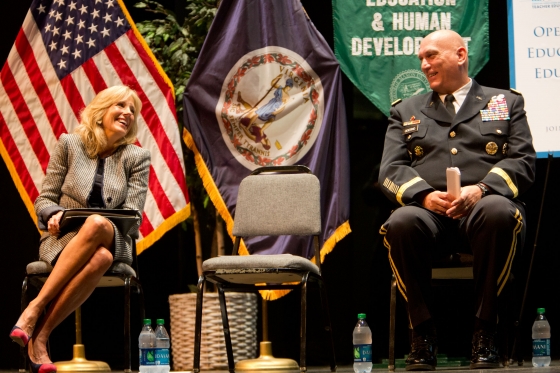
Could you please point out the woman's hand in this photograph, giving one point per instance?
(54, 223)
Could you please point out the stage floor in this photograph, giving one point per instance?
(527, 368)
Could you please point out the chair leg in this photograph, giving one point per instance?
(127, 354)
(327, 321)
(132, 283)
(140, 293)
(303, 323)
(513, 322)
(24, 303)
(517, 331)
(392, 311)
(504, 329)
(227, 335)
(198, 324)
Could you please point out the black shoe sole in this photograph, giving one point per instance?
(484, 365)
(420, 367)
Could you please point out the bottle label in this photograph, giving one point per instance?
(148, 356)
(541, 347)
(362, 353)
(162, 356)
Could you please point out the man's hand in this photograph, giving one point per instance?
(470, 195)
(437, 202)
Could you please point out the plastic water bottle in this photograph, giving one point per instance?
(147, 347)
(541, 340)
(162, 347)
(362, 345)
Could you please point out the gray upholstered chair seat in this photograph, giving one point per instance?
(260, 261)
(255, 269)
(40, 267)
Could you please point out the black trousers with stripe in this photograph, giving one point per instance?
(493, 231)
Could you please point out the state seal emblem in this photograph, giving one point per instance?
(271, 108)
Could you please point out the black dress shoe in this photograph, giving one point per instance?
(484, 351)
(422, 354)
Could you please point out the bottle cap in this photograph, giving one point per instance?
(540, 311)
(160, 322)
(361, 316)
(147, 322)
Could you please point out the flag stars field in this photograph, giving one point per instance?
(77, 21)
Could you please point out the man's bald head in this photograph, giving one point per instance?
(444, 61)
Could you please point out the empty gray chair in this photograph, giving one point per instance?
(272, 201)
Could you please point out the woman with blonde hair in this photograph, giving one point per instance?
(98, 167)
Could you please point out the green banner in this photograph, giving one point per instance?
(377, 42)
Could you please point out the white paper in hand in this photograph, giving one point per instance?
(453, 182)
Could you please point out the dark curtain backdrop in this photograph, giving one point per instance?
(357, 272)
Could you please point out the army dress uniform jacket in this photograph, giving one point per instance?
(422, 140)
(68, 184)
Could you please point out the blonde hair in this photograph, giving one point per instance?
(91, 129)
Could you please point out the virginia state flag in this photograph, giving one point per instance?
(265, 91)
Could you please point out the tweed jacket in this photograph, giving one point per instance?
(423, 139)
(69, 181)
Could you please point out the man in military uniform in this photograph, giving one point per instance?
(483, 132)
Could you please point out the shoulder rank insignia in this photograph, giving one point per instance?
(396, 102)
(515, 91)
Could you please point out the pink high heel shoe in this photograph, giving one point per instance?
(42, 368)
(19, 336)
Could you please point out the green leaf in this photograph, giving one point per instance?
(176, 44)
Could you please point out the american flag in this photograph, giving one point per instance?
(65, 53)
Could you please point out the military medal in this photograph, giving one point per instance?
(412, 121)
(491, 148)
(497, 109)
(411, 125)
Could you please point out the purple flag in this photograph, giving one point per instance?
(266, 90)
